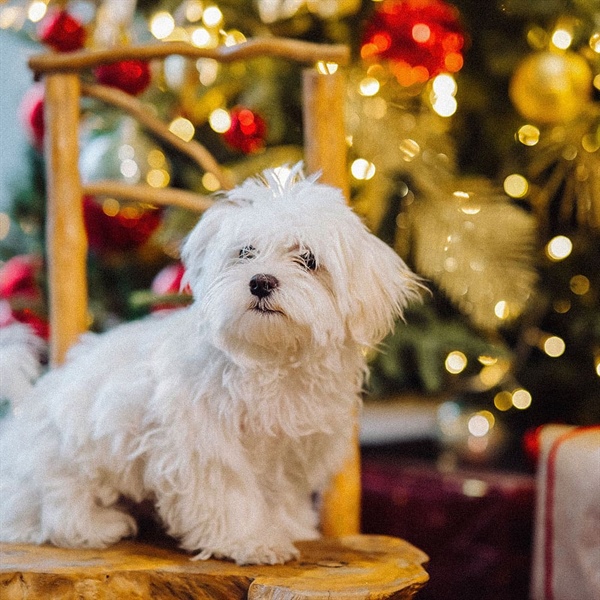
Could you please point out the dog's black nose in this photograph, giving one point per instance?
(262, 285)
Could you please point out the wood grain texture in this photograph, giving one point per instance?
(290, 49)
(349, 568)
(66, 239)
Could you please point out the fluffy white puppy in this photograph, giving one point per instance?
(228, 414)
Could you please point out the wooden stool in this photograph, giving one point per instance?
(348, 568)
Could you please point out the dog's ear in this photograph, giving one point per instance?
(379, 288)
(198, 244)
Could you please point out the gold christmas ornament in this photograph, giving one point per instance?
(551, 87)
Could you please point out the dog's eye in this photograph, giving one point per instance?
(247, 252)
(308, 261)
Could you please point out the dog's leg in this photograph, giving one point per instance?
(74, 515)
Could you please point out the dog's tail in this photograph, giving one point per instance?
(20, 364)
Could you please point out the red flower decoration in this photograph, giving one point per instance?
(61, 31)
(420, 38)
(167, 282)
(18, 277)
(247, 132)
(31, 115)
(131, 76)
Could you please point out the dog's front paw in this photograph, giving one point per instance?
(254, 554)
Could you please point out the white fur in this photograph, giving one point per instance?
(229, 418)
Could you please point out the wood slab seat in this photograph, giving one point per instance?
(347, 568)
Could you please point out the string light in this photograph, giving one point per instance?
(528, 135)
(37, 11)
(369, 86)
(516, 186)
(362, 169)
(559, 247)
(210, 182)
(553, 346)
(194, 10)
(212, 16)
(521, 399)
(562, 39)
(327, 68)
(162, 25)
(182, 128)
(579, 285)
(219, 120)
(503, 401)
(456, 362)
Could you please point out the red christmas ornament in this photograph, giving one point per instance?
(247, 132)
(127, 229)
(131, 76)
(531, 444)
(61, 31)
(420, 38)
(31, 115)
(19, 291)
(18, 277)
(167, 282)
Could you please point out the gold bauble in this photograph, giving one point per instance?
(551, 87)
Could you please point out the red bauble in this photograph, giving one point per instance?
(247, 132)
(131, 76)
(18, 277)
(128, 229)
(531, 444)
(61, 31)
(19, 291)
(168, 282)
(420, 38)
(31, 114)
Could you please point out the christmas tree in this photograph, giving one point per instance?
(473, 139)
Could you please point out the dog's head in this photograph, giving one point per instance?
(281, 263)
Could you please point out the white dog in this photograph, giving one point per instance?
(229, 414)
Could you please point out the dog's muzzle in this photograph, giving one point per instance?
(262, 284)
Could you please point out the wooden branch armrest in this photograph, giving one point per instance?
(296, 50)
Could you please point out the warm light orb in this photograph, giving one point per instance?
(327, 68)
(219, 120)
(362, 169)
(579, 285)
(528, 135)
(481, 423)
(445, 106)
(501, 310)
(521, 399)
(562, 39)
(444, 85)
(201, 38)
(162, 25)
(369, 86)
(456, 362)
(554, 346)
(503, 401)
(595, 42)
(421, 33)
(182, 128)
(37, 11)
(212, 16)
(559, 247)
(210, 182)
(516, 186)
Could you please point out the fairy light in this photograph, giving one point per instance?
(554, 346)
(210, 182)
(111, 207)
(208, 70)
(156, 158)
(125, 151)
(421, 33)
(516, 186)
(182, 128)
(129, 168)
(444, 85)
(595, 42)
(369, 86)
(559, 247)
(481, 423)
(580, 285)
(37, 11)
(201, 37)
(219, 120)
(162, 25)
(503, 401)
(443, 90)
(502, 310)
(194, 10)
(528, 135)
(158, 178)
(521, 399)
(456, 362)
(562, 39)
(561, 306)
(327, 68)
(234, 37)
(445, 106)
(362, 169)
(212, 16)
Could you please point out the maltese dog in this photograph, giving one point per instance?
(231, 414)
